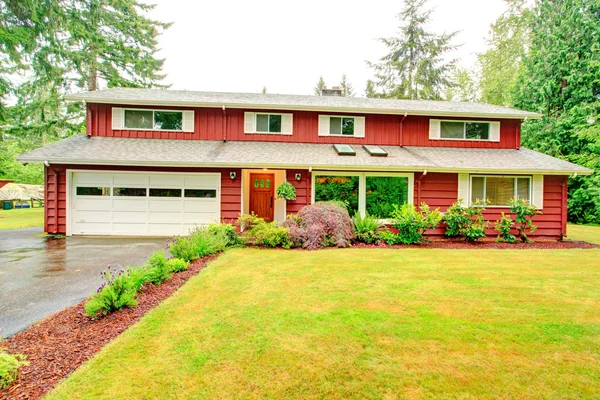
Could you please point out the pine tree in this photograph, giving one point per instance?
(347, 89)
(319, 86)
(370, 91)
(414, 67)
(264, 90)
(559, 79)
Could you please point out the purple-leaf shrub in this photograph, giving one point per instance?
(320, 225)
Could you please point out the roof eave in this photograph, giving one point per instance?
(255, 106)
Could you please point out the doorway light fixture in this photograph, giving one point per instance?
(233, 175)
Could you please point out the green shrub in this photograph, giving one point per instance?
(9, 367)
(524, 212)
(286, 191)
(176, 265)
(388, 236)
(268, 234)
(366, 229)
(156, 268)
(467, 222)
(412, 223)
(185, 248)
(249, 221)
(226, 230)
(200, 243)
(118, 291)
(503, 226)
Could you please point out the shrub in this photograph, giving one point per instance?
(184, 248)
(249, 221)
(199, 243)
(388, 236)
(467, 222)
(366, 229)
(503, 226)
(412, 223)
(176, 265)
(286, 191)
(156, 268)
(270, 235)
(524, 212)
(9, 367)
(226, 230)
(323, 224)
(118, 291)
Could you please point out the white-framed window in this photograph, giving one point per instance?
(364, 192)
(143, 119)
(488, 131)
(341, 126)
(268, 123)
(497, 190)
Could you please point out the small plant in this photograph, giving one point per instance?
(366, 229)
(156, 268)
(286, 191)
(226, 230)
(268, 234)
(9, 367)
(504, 226)
(524, 212)
(118, 291)
(412, 223)
(176, 265)
(467, 222)
(388, 236)
(249, 221)
(184, 248)
(200, 243)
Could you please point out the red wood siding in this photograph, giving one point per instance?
(214, 124)
(303, 190)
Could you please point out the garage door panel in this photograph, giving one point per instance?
(166, 181)
(82, 216)
(134, 180)
(202, 181)
(165, 217)
(130, 204)
(199, 217)
(165, 205)
(189, 227)
(201, 205)
(83, 179)
(94, 228)
(128, 228)
(165, 229)
(94, 203)
(139, 217)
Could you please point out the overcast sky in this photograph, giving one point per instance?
(241, 46)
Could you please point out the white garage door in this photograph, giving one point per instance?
(113, 203)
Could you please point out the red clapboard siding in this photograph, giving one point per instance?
(216, 124)
(303, 190)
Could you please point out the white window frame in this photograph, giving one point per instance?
(123, 127)
(514, 177)
(256, 114)
(362, 186)
(327, 133)
(489, 123)
(435, 130)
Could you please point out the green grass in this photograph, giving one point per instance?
(586, 233)
(364, 323)
(21, 218)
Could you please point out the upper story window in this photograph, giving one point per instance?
(334, 125)
(269, 123)
(152, 120)
(464, 130)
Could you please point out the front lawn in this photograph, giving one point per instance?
(21, 218)
(364, 323)
(586, 233)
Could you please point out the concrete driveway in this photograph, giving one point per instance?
(41, 275)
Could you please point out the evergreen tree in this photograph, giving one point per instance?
(560, 79)
(347, 89)
(264, 90)
(414, 67)
(319, 86)
(370, 91)
(464, 86)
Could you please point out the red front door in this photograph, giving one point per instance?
(262, 195)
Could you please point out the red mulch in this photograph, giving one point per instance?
(59, 344)
(488, 243)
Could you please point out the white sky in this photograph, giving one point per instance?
(241, 46)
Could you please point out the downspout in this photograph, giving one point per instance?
(224, 124)
(401, 141)
(419, 187)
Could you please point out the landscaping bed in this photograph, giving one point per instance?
(487, 243)
(59, 344)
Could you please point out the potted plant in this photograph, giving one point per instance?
(286, 191)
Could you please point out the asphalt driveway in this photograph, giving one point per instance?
(41, 275)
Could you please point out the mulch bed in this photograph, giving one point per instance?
(488, 243)
(59, 344)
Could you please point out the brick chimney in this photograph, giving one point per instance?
(334, 91)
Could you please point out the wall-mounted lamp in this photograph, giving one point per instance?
(232, 175)
(298, 177)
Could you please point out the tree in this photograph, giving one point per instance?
(501, 62)
(415, 66)
(464, 86)
(370, 91)
(347, 89)
(560, 79)
(319, 86)
(264, 90)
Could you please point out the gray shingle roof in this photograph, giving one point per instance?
(136, 96)
(81, 149)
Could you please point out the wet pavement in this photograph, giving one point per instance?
(41, 275)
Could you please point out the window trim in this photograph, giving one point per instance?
(435, 130)
(362, 186)
(489, 139)
(256, 114)
(514, 177)
(153, 111)
(328, 134)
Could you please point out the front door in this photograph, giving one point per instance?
(262, 193)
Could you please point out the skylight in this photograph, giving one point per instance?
(375, 151)
(344, 150)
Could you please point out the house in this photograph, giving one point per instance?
(160, 162)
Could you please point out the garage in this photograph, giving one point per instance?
(142, 203)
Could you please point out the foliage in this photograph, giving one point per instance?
(9, 367)
(12, 169)
(559, 79)
(319, 86)
(412, 223)
(286, 191)
(342, 189)
(268, 234)
(176, 265)
(388, 237)
(199, 243)
(366, 229)
(467, 222)
(118, 291)
(249, 221)
(320, 225)
(347, 88)
(504, 226)
(383, 192)
(226, 230)
(524, 212)
(156, 268)
(464, 85)
(416, 65)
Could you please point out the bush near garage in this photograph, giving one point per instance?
(9, 367)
